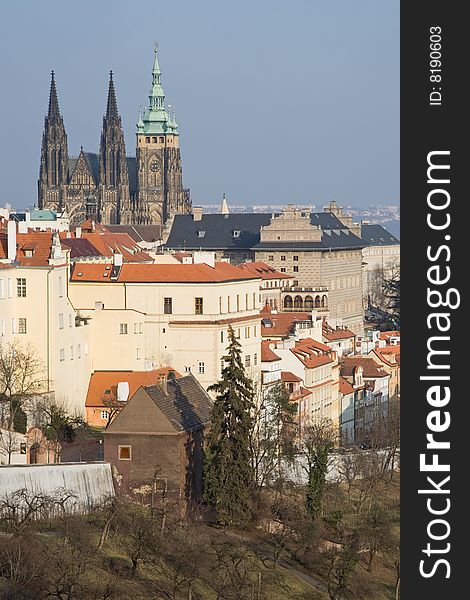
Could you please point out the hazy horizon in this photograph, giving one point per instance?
(275, 103)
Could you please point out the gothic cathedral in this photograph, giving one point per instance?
(111, 187)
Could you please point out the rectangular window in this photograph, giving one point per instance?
(221, 337)
(295, 258)
(296, 268)
(147, 140)
(255, 358)
(141, 328)
(200, 368)
(198, 306)
(283, 269)
(71, 352)
(21, 325)
(238, 303)
(137, 353)
(62, 355)
(228, 304)
(122, 328)
(222, 364)
(125, 452)
(104, 415)
(79, 351)
(271, 257)
(220, 305)
(246, 301)
(283, 258)
(61, 286)
(168, 306)
(21, 287)
(70, 321)
(247, 360)
(2, 289)
(187, 369)
(154, 140)
(61, 320)
(10, 287)
(254, 330)
(247, 332)
(254, 299)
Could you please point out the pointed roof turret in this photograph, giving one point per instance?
(111, 107)
(155, 118)
(53, 111)
(224, 209)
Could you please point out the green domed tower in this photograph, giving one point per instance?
(159, 170)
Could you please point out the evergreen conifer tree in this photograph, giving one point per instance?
(228, 471)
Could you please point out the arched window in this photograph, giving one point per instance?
(324, 301)
(317, 302)
(308, 302)
(288, 302)
(298, 302)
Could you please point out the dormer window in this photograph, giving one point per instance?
(236, 233)
(201, 233)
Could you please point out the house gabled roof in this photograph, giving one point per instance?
(371, 369)
(103, 384)
(219, 233)
(267, 354)
(160, 273)
(340, 333)
(186, 404)
(264, 270)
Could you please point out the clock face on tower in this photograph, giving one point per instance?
(154, 166)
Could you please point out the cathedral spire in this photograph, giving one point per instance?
(157, 95)
(111, 108)
(53, 111)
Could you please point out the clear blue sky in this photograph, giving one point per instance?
(276, 101)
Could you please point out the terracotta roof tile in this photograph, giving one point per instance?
(264, 270)
(289, 377)
(371, 369)
(281, 324)
(160, 273)
(345, 387)
(103, 384)
(340, 333)
(267, 354)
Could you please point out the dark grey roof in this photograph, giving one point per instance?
(80, 247)
(376, 235)
(186, 404)
(17, 217)
(93, 162)
(132, 171)
(139, 233)
(218, 233)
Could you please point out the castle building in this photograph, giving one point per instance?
(110, 187)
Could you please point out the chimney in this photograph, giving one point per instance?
(11, 237)
(162, 382)
(117, 258)
(78, 232)
(123, 391)
(197, 213)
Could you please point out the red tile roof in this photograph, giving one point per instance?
(264, 270)
(389, 355)
(267, 354)
(160, 273)
(283, 323)
(103, 384)
(289, 377)
(37, 242)
(386, 335)
(340, 333)
(345, 387)
(371, 369)
(312, 353)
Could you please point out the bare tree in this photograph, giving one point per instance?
(21, 378)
